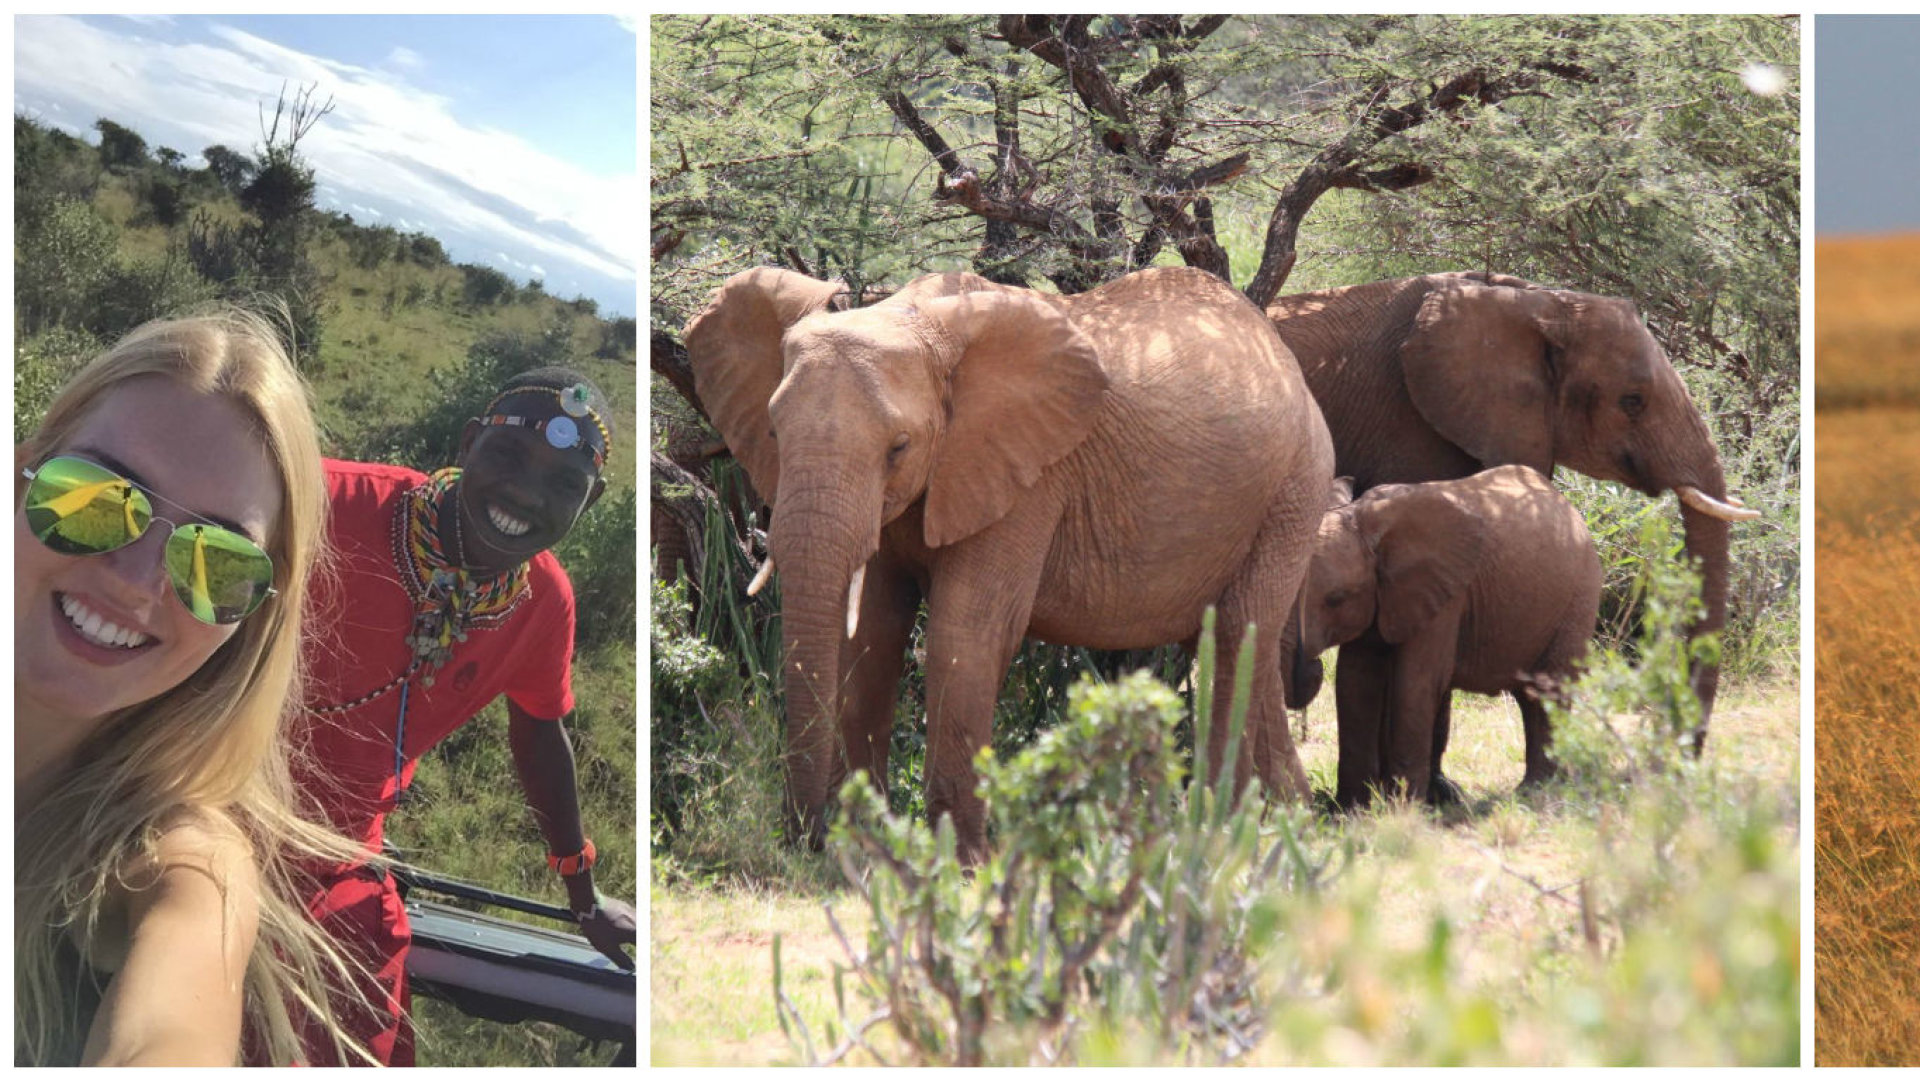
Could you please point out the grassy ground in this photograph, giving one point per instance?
(1867, 618)
(1502, 874)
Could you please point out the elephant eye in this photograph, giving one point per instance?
(898, 448)
(1632, 404)
(1335, 599)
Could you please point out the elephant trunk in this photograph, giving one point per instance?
(821, 543)
(1708, 538)
(1304, 671)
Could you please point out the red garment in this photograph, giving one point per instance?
(362, 910)
(359, 619)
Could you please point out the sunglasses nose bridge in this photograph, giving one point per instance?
(144, 561)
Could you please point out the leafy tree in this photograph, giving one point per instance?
(483, 286)
(425, 250)
(233, 169)
(121, 148)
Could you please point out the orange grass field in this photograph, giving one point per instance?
(1867, 653)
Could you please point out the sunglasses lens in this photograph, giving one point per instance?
(221, 576)
(78, 508)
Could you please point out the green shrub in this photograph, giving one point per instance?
(41, 366)
(1117, 909)
(62, 253)
(599, 557)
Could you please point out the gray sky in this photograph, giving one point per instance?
(1866, 123)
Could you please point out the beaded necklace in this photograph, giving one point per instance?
(447, 600)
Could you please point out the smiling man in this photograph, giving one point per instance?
(442, 597)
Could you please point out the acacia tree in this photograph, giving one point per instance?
(1616, 154)
(1650, 157)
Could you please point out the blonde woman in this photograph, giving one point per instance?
(168, 514)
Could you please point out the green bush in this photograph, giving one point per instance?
(1118, 907)
(63, 251)
(1683, 947)
(41, 366)
(599, 556)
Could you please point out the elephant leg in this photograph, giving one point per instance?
(1533, 720)
(977, 613)
(1262, 595)
(1440, 790)
(1422, 678)
(1361, 694)
(871, 664)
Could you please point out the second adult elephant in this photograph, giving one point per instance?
(1089, 470)
(1441, 376)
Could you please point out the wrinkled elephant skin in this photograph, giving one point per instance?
(1438, 377)
(1014, 459)
(1485, 584)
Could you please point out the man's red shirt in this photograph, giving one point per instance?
(360, 618)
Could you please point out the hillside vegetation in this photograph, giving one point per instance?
(400, 346)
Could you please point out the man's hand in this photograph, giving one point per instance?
(610, 925)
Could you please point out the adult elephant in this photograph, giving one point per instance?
(1441, 376)
(1090, 470)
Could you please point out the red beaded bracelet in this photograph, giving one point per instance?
(569, 865)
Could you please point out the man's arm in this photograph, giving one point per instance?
(543, 759)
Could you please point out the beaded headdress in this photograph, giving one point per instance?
(563, 432)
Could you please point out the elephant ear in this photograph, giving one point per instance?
(1479, 364)
(1427, 549)
(734, 346)
(1024, 388)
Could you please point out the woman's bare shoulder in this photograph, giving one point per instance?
(199, 841)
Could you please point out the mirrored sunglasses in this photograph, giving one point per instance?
(76, 507)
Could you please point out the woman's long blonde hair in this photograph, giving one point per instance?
(215, 744)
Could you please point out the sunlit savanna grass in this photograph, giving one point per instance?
(1867, 736)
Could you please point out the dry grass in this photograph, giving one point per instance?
(1867, 741)
(1867, 324)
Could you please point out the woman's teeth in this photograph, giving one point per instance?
(98, 630)
(507, 523)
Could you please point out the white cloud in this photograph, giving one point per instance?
(386, 141)
(537, 270)
(405, 58)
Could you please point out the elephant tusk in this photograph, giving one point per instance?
(853, 600)
(760, 579)
(1713, 507)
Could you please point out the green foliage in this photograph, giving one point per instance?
(483, 286)
(42, 364)
(1117, 909)
(121, 149)
(231, 168)
(600, 558)
(61, 257)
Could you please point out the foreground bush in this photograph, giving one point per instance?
(1116, 908)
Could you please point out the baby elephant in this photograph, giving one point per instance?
(1477, 584)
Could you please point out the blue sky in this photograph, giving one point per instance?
(513, 139)
(1866, 146)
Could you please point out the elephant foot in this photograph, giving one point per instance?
(1539, 777)
(1347, 801)
(1443, 792)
